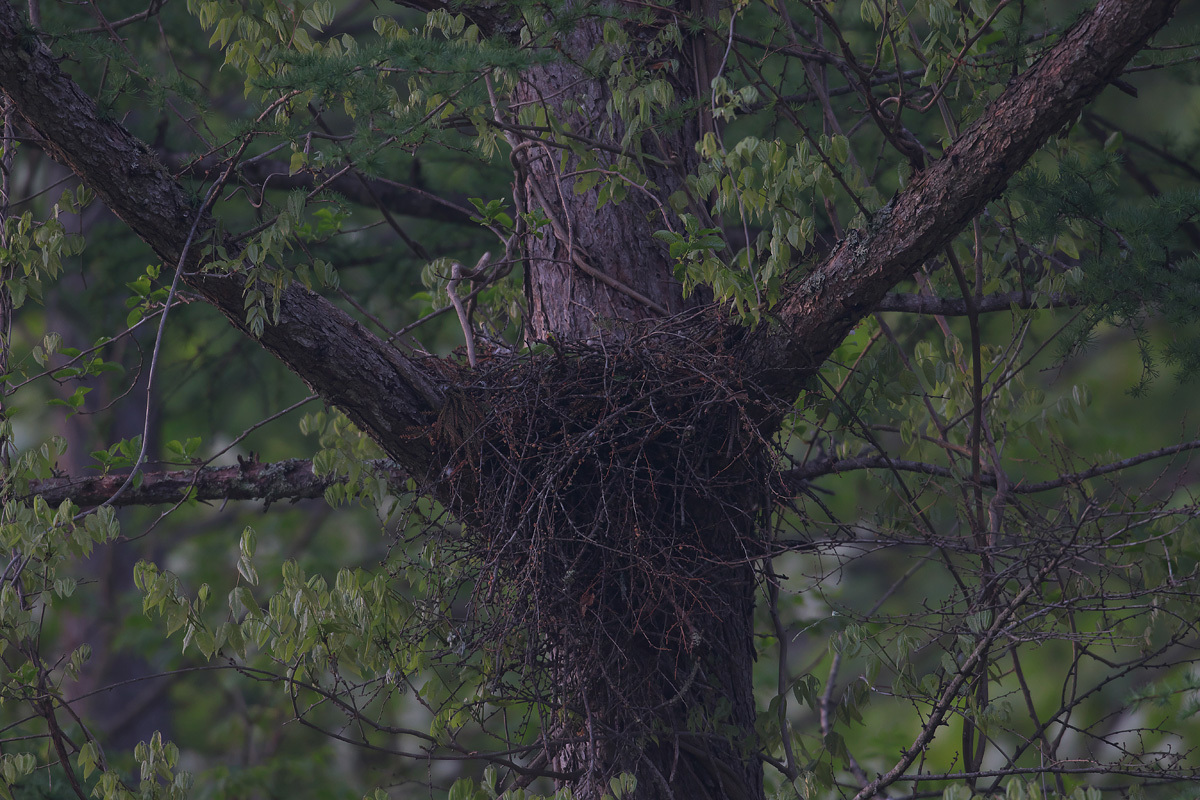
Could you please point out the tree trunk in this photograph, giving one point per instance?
(665, 694)
(690, 731)
(592, 266)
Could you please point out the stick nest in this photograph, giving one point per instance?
(611, 498)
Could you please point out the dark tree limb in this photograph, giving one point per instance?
(388, 395)
(270, 482)
(396, 197)
(946, 195)
(293, 479)
(820, 467)
(1150, 147)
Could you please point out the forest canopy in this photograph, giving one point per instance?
(665, 400)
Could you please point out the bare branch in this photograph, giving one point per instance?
(1150, 147)
(291, 479)
(817, 468)
(798, 476)
(396, 197)
(152, 10)
(1105, 469)
(957, 307)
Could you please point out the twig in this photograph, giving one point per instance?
(464, 319)
(832, 466)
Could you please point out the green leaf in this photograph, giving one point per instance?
(462, 789)
(839, 147)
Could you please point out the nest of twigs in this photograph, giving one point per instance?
(612, 497)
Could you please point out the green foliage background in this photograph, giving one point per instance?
(217, 626)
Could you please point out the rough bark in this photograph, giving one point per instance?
(598, 265)
(291, 480)
(942, 199)
(388, 395)
(593, 269)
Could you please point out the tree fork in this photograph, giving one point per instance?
(395, 399)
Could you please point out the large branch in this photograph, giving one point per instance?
(269, 482)
(282, 480)
(943, 198)
(293, 479)
(388, 395)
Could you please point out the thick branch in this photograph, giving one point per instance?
(291, 479)
(389, 396)
(945, 196)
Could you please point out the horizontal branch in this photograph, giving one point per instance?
(957, 307)
(408, 201)
(291, 479)
(1106, 469)
(829, 465)
(833, 466)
